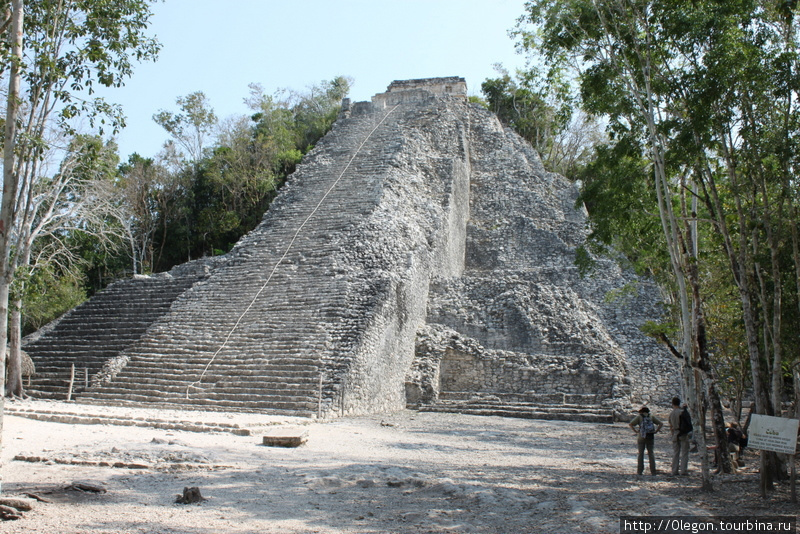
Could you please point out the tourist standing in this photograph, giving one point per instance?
(736, 443)
(680, 440)
(648, 426)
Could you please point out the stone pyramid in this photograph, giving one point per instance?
(420, 256)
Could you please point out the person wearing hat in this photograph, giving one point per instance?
(648, 426)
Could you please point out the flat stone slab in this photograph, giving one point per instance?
(285, 437)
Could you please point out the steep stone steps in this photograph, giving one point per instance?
(255, 382)
(265, 407)
(98, 330)
(563, 407)
(178, 393)
(273, 356)
(240, 369)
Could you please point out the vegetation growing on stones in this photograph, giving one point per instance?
(542, 110)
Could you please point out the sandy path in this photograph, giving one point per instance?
(404, 472)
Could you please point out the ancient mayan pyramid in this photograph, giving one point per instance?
(420, 256)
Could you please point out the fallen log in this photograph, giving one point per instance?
(9, 514)
(20, 504)
(36, 497)
(88, 487)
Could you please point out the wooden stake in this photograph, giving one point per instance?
(71, 382)
(319, 400)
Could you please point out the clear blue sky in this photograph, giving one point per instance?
(221, 47)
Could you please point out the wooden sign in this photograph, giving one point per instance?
(770, 433)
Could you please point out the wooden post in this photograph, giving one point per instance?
(71, 382)
(792, 483)
(319, 399)
(85, 378)
(341, 396)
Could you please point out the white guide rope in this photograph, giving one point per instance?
(193, 385)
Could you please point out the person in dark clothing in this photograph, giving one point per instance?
(736, 443)
(680, 440)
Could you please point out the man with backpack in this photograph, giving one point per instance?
(648, 426)
(680, 425)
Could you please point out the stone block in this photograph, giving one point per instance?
(285, 437)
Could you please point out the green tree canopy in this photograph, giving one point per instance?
(542, 109)
(224, 193)
(704, 94)
(54, 54)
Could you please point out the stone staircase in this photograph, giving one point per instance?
(562, 407)
(99, 329)
(257, 335)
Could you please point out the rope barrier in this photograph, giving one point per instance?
(193, 385)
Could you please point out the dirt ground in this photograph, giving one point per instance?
(405, 472)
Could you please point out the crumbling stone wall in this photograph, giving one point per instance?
(520, 319)
(400, 91)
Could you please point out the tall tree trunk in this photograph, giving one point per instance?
(14, 386)
(773, 222)
(704, 360)
(699, 353)
(714, 402)
(796, 259)
(741, 262)
(9, 185)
